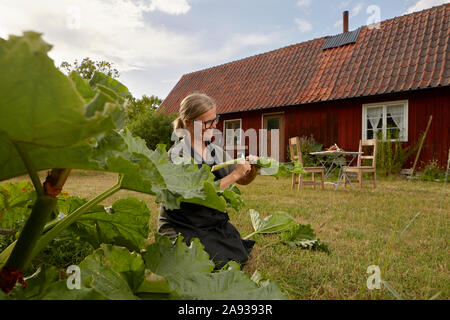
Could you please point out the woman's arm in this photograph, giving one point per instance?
(229, 179)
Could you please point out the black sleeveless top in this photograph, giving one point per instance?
(221, 239)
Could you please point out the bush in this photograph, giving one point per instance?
(432, 172)
(61, 253)
(154, 127)
(307, 145)
(391, 156)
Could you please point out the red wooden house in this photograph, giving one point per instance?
(341, 89)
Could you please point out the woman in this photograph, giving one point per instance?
(221, 239)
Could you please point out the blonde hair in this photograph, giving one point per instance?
(193, 106)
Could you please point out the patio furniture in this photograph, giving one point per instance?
(296, 155)
(359, 169)
(336, 157)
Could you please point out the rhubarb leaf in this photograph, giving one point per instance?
(125, 223)
(275, 223)
(43, 112)
(303, 236)
(113, 271)
(15, 203)
(40, 106)
(163, 257)
(188, 272)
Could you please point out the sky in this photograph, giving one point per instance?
(153, 43)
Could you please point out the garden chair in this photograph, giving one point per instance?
(359, 169)
(296, 155)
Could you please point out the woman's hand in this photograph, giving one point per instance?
(243, 174)
(241, 170)
(250, 174)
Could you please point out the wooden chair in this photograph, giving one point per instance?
(359, 169)
(296, 155)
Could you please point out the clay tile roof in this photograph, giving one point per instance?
(407, 53)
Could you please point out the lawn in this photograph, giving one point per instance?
(401, 226)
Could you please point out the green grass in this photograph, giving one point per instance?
(401, 226)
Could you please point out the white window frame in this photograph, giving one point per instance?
(384, 118)
(225, 130)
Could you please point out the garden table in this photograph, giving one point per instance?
(336, 163)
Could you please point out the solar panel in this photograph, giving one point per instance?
(341, 39)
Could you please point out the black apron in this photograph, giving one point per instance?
(221, 239)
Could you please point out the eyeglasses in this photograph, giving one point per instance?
(209, 123)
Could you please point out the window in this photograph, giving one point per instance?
(273, 123)
(233, 132)
(387, 119)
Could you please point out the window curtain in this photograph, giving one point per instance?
(398, 116)
(374, 115)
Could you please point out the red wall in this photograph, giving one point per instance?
(340, 121)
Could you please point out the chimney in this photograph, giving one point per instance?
(345, 21)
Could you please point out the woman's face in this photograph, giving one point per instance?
(207, 122)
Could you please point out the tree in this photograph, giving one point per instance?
(138, 107)
(154, 127)
(87, 67)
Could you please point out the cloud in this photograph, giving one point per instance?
(344, 4)
(355, 11)
(119, 31)
(116, 31)
(425, 4)
(303, 3)
(170, 6)
(250, 39)
(110, 30)
(303, 25)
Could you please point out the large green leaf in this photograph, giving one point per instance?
(232, 195)
(45, 285)
(189, 275)
(303, 236)
(59, 291)
(102, 81)
(15, 199)
(40, 106)
(37, 284)
(224, 285)
(43, 113)
(180, 182)
(124, 224)
(144, 170)
(275, 223)
(113, 271)
(163, 258)
(76, 156)
(63, 122)
(110, 272)
(151, 172)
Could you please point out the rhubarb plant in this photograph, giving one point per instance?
(54, 122)
(293, 234)
(164, 270)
